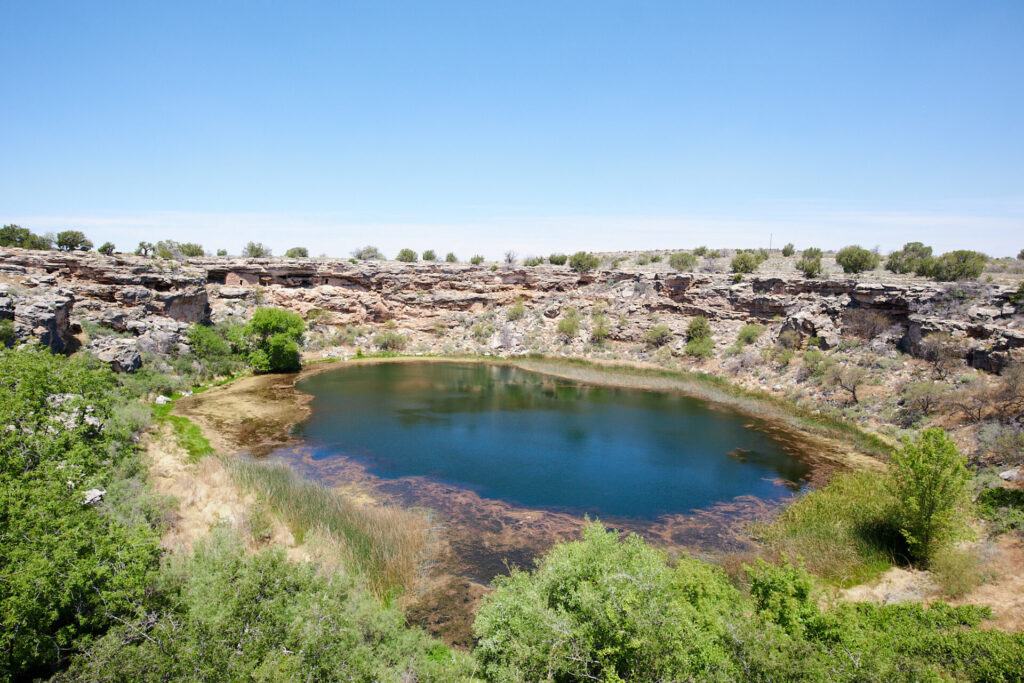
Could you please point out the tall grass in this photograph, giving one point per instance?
(386, 545)
(845, 532)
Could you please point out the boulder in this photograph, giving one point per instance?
(46, 317)
(122, 355)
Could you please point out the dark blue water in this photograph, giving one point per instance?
(543, 442)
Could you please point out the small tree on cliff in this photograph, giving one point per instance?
(73, 240)
(273, 337)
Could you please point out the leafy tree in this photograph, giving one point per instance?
(700, 251)
(557, 259)
(23, 238)
(658, 335)
(953, 266)
(745, 262)
(582, 262)
(222, 252)
(908, 259)
(273, 337)
(699, 340)
(477, 260)
(407, 256)
(931, 481)
(855, 259)
(682, 260)
(191, 249)
(788, 250)
(256, 250)
(368, 253)
(810, 262)
(451, 258)
(107, 248)
(144, 249)
(73, 240)
(429, 255)
(297, 252)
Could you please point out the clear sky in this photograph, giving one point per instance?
(535, 126)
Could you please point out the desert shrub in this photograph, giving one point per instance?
(846, 376)
(531, 261)
(942, 352)
(297, 252)
(748, 334)
(389, 340)
(483, 331)
(1002, 443)
(256, 250)
(921, 399)
(214, 352)
(7, 333)
(789, 339)
(956, 571)
(517, 311)
(700, 251)
(908, 258)
(16, 236)
(368, 253)
(855, 259)
(557, 259)
(658, 335)
(107, 248)
(191, 249)
(600, 329)
(681, 260)
(73, 240)
(814, 364)
(429, 255)
(643, 259)
(762, 255)
(407, 256)
(745, 262)
(272, 338)
(477, 260)
(1003, 507)
(788, 250)
(510, 257)
(953, 266)
(569, 325)
(865, 323)
(809, 262)
(222, 252)
(1017, 298)
(450, 257)
(582, 261)
(699, 340)
(930, 479)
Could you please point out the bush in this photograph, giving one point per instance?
(517, 311)
(73, 240)
(681, 260)
(745, 262)
(953, 266)
(600, 328)
(273, 337)
(367, 253)
(406, 256)
(7, 334)
(23, 238)
(532, 261)
(930, 479)
(429, 255)
(450, 257)
(297, 252)
(557, 259)
(865, 323)
(788, 250)
(658, 335)
(1004, 507)
(908, 259)
(107, 248)
(1017, 298)
(855, 259)
(483, 331)
(389, 340)
(700, 251)
(748, 334)
(222, 252)
(569, 325)
(810, 263)
(476, 260)
(582, 261)
(256, 250)
(191, 250)
(699, 341)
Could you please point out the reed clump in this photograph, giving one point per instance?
(385, 545)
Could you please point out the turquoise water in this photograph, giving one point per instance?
(538, 441)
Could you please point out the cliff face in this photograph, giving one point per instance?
(445, 307)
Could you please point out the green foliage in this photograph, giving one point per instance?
(223, 614)
(682, 260)
(389, 340)
(701, 348)
(407, 256)
(107, 248)
(744, 262)
(367, 253)
(272, 338)
(1017, 298)
(532, 261)
(451, 258)
(1003, 506)
(219, 351)
(583, 261)
(483, 331)
(67, 570)
(700, 251)
(7, 334)
(476, 260)
(810, 262)
(748, 334)
(1020, 255)
(788, 250)
(600, 328)
(557, 259)
(569, 325)
(73, 240)
(957, 265)
(429, 255)
(699, 341)
(16, 236)
(855, 259)
(189, 437)
(256, 250)
(930, 479)
(517, 311)
(144, 249)
(297, 252)
(658, 335)
(222, 252)
(908, 259)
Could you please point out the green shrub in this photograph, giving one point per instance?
(581, 262)
(222, 252)
(681, 260)
(483, 331)
(1017, 298)
(406, 256)
(953, 266)
(1002, 506)
(23, 238)
(557, 259)
(73, 240)
(107, 248)
(516, 311)
(700, 251)
(600, 328)
(569, 325)
(451, 258)
(810, 263)
(7, 334)
(748, 334)
(956, 571)
(389, 340)
(703, 348)
(658, 335)
(273, 336)
(908, 259)
(256, 250)
(855, 259)
(297, 252)
(930, 479)
(744, 262)
(368, 253)
(429, 255)
(788, 250)
(477, 260)
(532, 261)
(699, 328)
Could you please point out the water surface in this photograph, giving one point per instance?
(538, 441)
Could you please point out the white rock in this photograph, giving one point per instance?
(94, 496)
(1011, 475)
(162, 400)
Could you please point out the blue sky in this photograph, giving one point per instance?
(534, 126)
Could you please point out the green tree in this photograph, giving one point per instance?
(476, 260)
(73, 240)
(810, 262)
(855, 259)
(222, 252)
(107, 248)
(700, 251)
(1020, 255)
(273, 337)
(682, 260)
(451, 258)
(952, 266)
(144, 249)
(699, 339)
(658, 335)
(788, 250)
(16, 236)
(407, 256)
(582, 262)
(297, 252)
(368, 253)
(429, 255)
(191, 249)
(557, 259)
(745, 262)
(931, 481)
(256, 250)
(908, 259)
